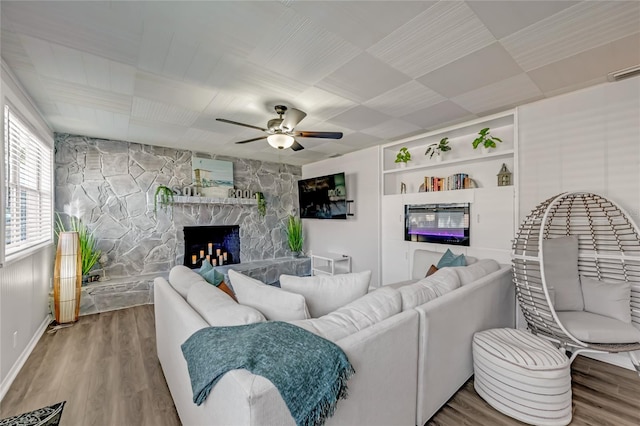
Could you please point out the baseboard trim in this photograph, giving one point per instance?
(618, 359)
(11, 376)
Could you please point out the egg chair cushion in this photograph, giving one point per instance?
(610, 299)
(594, 328)
(560, 257)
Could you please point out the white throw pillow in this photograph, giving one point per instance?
(325, 293)
(479, 269)
(561, 272)
(218, 308)
(274, 303)
(182, 278)
(435, 285)
(612, 300)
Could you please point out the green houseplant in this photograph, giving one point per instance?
(438, 148)
(294, 235)
(262, 203)
(164, 197)
(485, 139)
(403, 156)
(89, 254)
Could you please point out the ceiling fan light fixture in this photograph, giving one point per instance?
(280, 141)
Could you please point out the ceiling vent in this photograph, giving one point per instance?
(625, 73)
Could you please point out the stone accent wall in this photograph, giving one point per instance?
(110, 185)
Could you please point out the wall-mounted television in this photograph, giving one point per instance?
(323, 197)
(437, 223)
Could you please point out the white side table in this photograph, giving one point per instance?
(330, 263)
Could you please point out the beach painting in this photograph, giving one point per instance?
(212, 178)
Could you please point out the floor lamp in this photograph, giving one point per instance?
(67, 278)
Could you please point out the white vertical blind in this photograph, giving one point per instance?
(28, 186)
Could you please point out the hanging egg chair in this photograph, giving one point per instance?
(603, 313)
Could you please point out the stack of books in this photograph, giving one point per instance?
(457, 181)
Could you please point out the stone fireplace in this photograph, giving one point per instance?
(218, 244)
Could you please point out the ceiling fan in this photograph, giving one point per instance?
(280, 131)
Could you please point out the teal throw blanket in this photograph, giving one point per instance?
(310, 372)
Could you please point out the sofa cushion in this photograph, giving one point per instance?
(370, 309)
(274, 303)
(217, 308)
(326, 293)
(450, 259)
(182, 278)
(432, 270)
(418, 293)
(474, 272)
(560, 259)
(596, 328)
(610, 299)
(423, 259)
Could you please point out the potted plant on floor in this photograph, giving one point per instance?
(89, 254)
(485, 140)
(294, 235)
(438, 149)
(403, 157)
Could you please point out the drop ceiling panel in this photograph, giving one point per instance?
(170, 91)
(204, 138)
(392, 129)
(147, 110)
(571, 31)
(163, 134)
(405, 99)
(444, 112)
(478, 69)
(358, 140)
(61, 91)
(321, 105)
(359, 118)
(363, 78)
(436, 37)
(512, 91)
(203, 64)
(179, 57)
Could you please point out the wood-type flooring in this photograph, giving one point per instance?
(106, 368)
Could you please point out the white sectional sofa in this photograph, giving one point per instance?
(409, 361)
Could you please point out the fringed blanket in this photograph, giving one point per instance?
(310, 372)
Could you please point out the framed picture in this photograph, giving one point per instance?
(213, 178)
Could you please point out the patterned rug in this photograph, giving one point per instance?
(47, 416)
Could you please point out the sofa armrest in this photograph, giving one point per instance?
(447, 325)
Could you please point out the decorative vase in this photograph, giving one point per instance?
(486, 150)
(402, 164)
(67, 278)
(439, 157)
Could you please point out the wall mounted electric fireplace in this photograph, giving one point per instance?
(218, 244)
(437, 223)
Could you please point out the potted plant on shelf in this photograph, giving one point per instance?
(294, 235)
(486, 140)
(438, 149)
(403, 156)
(89, 254)
(164, 197)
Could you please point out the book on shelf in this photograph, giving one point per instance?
(453, 182)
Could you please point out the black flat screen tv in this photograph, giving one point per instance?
(323, 197)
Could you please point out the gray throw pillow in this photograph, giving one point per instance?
(609, 299)
(560, 257)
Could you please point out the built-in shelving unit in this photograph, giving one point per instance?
(181, 199)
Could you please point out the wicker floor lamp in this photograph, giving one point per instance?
(67, 278)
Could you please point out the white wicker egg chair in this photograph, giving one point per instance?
(608, 250)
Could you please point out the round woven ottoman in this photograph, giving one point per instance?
(522, 376)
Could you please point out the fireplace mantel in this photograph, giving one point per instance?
(181, 199)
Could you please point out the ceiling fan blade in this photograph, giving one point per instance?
(252, 140)
(240, 124)
(296, 146)
(323, 135)
(292, 117)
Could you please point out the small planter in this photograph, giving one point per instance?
(402, 165)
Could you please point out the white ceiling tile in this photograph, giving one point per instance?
(329, 148)
(202, 137)
(504, 94)
(392, 129)
(321, 105)
(181, 53)
(121, 78)
(74, 94)
(506, 17)
(108, 75)
(41, 54)
(405, 99)
(157, 134)
(152, 111)
(444, 112)
(154, 47)
(363, 78)
(571, 31)
(361, 23)
(437, 36)
(70, 64)
(359, 118)
(151, 86)
(202, 65)
(480, 68)
(359, 140)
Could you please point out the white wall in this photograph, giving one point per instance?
(358, 236)
(24, 283)
(586, 140)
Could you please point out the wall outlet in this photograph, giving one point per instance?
(15, 339)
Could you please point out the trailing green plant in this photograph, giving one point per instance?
(164, 197)
(89, 254)
(294, 234)
(262, 203)
(485, 139)
(403, 155)
(437, 148)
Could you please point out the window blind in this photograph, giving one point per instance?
(28, 186)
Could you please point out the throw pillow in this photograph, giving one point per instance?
(432, 270)
(274, 303)
(326, 293)
(560, 259)
(419, 293)
(224, 287)
(450, 259)
(218, 309)
(609, 299)
(476, 271)
(210, 274)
